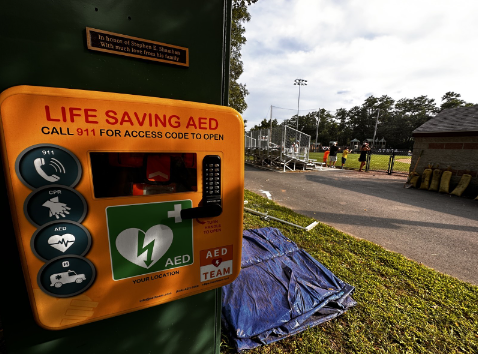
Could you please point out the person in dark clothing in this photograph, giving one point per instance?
(333, 155)
(363, 155)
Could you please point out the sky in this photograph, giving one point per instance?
(348, 50)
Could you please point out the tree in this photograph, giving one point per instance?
(238, 91)
(408, 115)
(379, 110)
(328, 127)
(345, 133)
(396, 120)
(359, 122)
(266, 124)
(453, 100)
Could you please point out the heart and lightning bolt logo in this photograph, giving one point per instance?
(149, 238)
(144, 248)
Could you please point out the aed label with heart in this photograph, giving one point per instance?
(60, 238)
(149, 238)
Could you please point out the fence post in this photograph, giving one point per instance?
(391, 162)
(284, 132)
(369, 157)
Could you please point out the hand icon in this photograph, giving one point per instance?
(63, 312)
(56, 208)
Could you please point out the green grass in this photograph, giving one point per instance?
(403, 306)
(377, 162)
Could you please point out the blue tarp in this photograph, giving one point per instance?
(280, 291)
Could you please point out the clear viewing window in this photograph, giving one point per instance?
(125, 174)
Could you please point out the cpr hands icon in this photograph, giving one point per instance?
(56, 208)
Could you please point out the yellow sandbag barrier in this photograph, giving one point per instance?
(426, 178)
(414, 181)
(460, 188)
(435, 183)
(445, 182)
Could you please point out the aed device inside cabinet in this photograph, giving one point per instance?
(120, 202)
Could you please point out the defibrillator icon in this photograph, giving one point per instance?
(144, 248)
(147, 238)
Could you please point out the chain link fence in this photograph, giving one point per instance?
(382, 160)
(286, 148)
(281, 147)
(389, 160)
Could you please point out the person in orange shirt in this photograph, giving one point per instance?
(326, 155)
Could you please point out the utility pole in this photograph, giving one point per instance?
(270, 134)
(375, 131)
(317, 130)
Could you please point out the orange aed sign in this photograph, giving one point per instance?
(120, 202)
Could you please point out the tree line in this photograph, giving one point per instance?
(396, 120)
(238, 91)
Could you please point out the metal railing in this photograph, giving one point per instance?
(280, 147)
(389, 160)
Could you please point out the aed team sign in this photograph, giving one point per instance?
(98, 183)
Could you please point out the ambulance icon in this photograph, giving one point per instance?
(58, 279)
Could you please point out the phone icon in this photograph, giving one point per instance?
(57, 165)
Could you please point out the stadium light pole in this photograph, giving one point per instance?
(299, 82)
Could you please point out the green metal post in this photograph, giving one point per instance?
(44, 44)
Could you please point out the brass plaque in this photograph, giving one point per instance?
(120, 44)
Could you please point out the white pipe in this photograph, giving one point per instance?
(307, 228)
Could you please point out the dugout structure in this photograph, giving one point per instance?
(281, 147)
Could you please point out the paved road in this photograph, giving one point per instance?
(438, 230)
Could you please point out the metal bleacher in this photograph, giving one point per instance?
(281, 148)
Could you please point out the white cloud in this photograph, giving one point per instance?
(382, 47)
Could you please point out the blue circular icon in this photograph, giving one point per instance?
(54, 203)
(47, 164)
(66, 276)
(60, 238)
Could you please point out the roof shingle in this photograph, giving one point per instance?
(461, 119)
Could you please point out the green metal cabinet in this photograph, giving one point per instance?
(44, 44)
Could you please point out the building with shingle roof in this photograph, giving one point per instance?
(450, 139)
(451, 122)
